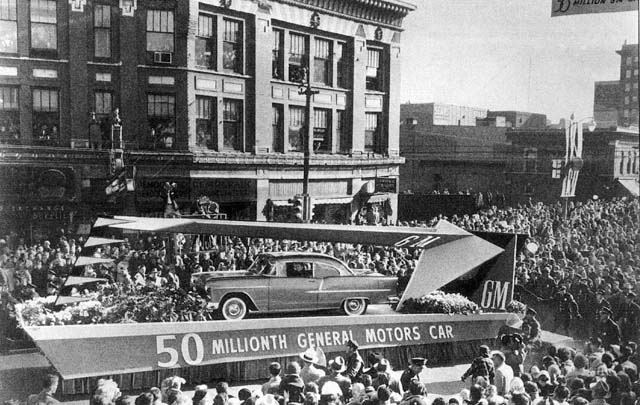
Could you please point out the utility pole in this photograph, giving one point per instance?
(307, 142)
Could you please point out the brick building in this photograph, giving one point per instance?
(611, 160)
(207, 92)
(615, 102)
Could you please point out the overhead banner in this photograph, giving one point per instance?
(572, 7)
(93, 350)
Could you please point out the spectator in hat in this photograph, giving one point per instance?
(503, 372)
(330, 394)
(387, 377)
(545, 385)
(606, 329)
(599, 393)
(292, 386)
(566, 310)
(373, 358)
(272, 386)
(629, 317)
(309, 372)
(416, 395)
(222, 396)
(354, 362)
(531, 327)
(337, 366)
(481, 366)
(412, 372)
(201, 395)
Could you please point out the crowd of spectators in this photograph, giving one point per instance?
(599, 375)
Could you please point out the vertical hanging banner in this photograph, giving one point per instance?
(571, 7)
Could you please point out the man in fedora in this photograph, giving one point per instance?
(309, 372)
(337, 366)
(412, 372)
(355, 364)
(606, 329)
(531, 327)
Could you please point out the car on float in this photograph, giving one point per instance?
(293, 282)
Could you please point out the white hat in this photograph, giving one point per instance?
(309, 355)
(331, 388)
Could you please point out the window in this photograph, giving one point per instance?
(296, 125)
(278, 130)
(373, 69)
(530, 160)
(206, 124)
(626, 113)
(299, 270)
(321, 130)
(9, 115)
(627, 87)
(556, 168)
(372, 132)
(205, 42)
(626, 100)
(628, 74)
(635, 86)
(46, 117)
(628, 60)
(323, 270)
(103, 106)
(43, 25)
(102, 31)
(635, 72)
(277, 59)
(341, 66)
(297, 57)
(344, 143)
(232, 117)
(322, 62)
(160, 31)
(8, 27)
(161, 117)
(232, 46)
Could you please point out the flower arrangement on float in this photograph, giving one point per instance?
(439, 302)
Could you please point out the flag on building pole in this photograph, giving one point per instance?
(571, 7)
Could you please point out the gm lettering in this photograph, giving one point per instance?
(495, 294)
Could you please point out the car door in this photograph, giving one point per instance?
(293, 288)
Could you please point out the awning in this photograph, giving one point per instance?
(95, 241)
(333, 200)
(378, 198)
(86, 260)
(631, 185)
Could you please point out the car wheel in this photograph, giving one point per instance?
(234, 308)
(354, 306)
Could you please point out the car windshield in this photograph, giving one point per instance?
(262, 265)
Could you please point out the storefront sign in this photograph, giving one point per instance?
(35, 212)
(570, 7)
(386, 185)
(90, 350)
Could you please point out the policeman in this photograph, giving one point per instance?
(531, 327)
(567, 309)
(354, 361)
(606, 329)
(412, 372)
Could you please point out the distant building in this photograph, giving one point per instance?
(610, 164)
(449, 157)
(443, 114)
(520, 119)
(629, 85)
(606, 103)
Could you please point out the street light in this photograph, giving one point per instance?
(307, 142)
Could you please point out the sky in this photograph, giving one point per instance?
(510, 55)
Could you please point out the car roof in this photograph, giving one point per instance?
(307, 255)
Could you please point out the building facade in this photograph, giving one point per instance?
(615, 102)
(207, 98)
(611, 160)
(520, 119)
(450, 158)
(629, 84)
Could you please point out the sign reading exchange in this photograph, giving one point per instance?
(92, 350)
(570, 7)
